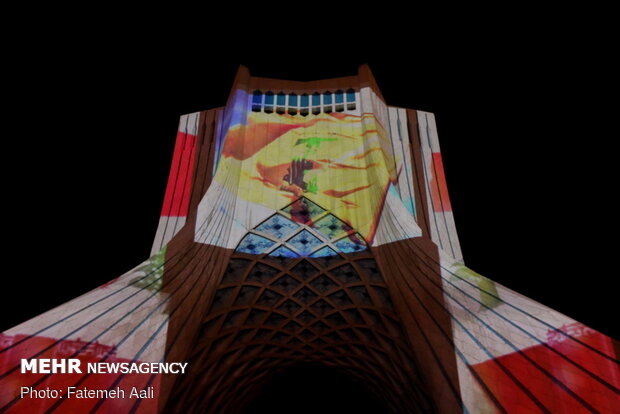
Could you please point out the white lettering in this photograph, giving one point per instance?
(74, 366)
(51, 366)
(24, 391)
(29, 366)
(135, 367)
(183, 365)
(30, 392)
(44, 366)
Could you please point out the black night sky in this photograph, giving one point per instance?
(522, 154)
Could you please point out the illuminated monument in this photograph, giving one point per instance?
(310, 223)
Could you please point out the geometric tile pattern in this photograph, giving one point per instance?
(302, 228)
(269, 314)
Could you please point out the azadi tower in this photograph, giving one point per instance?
(310, 223)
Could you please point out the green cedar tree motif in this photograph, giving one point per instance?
(488, 293)
(154, 271)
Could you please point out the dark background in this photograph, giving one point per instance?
(92, 132)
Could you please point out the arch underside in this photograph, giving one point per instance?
(285, 304)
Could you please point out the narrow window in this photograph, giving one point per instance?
(327, 98)
(257, 101)
(316, 103)
(327, 102)
(339, 100)
(339, 96)
(304, 102)
(292, 99)
(350, 99)
(281, 103)
(269, 102)
(281, 99)
(350, 95)
(316, 99)
(292, 104)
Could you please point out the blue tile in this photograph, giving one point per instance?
(278, 227)
(330, 227)
(304, 242)
(283, 252)
(254, 244)
(351, 244)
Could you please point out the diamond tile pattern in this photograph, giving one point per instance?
(278, 227)
(304, 242)
(346, 274)
(304, 270)
(331, 227)
(261, 273)
(282, 255)
(305, 295)
(303, 211)
(286, 283)
(323, 284)
(351, 244)
(326, 256)
(254, 244)
(268, 298)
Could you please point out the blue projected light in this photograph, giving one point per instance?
(350, 95)
(292, 100)
(339, 97)
(277, 227)
(330, 227)
(327, 98)
(283, 252)
(304, 242)
(257, 97)
(254, 244)
(324, 252)
(351, 244)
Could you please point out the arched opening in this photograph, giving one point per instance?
(292, 104)
(301, 289)
(281, 103)
(350, 99)
(314, 389)
(304, 103)
(269, 102)
(339, 98)
(327, 102)
(257, 101)
(316, 103)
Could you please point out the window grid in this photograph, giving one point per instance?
(303, 104)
